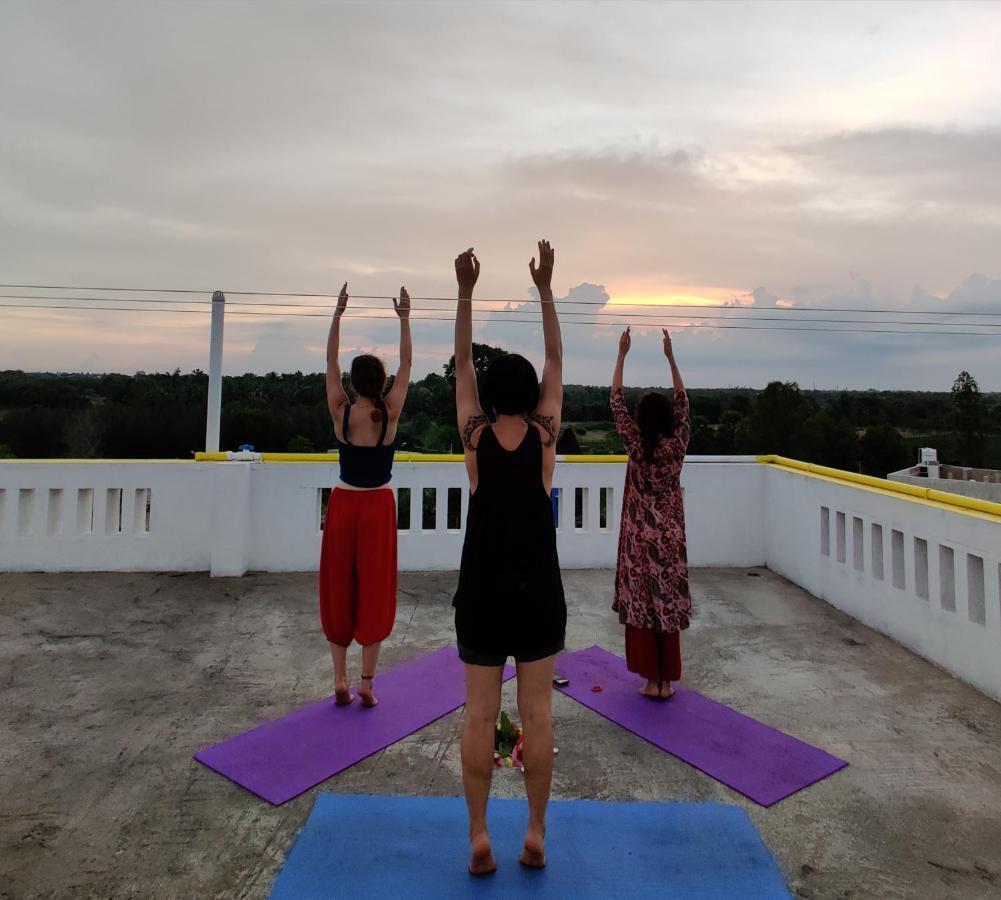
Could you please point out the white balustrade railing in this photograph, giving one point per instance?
(926, 572)
(233, 517)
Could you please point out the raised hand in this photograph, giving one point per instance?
(625, 342)
(336, 398)
(679, 384)
(402, 306)
(543, 275)
(467, 270)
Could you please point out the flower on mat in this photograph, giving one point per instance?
(507, 743)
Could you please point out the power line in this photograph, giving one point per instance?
(604, 312)
(733, 307)
(65, 287)
(523, 321)
(48, 296)
(671, 316)
(654, 303)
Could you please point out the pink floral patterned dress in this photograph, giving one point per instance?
(651, 578)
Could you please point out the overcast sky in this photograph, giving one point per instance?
(776, 155)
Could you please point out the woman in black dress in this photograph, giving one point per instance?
(510, 596)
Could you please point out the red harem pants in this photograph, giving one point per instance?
(358, 566)
(654, 656)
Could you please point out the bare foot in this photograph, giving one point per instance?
(533, 853)
(365, 692)
(650, 690)
(666, 692)
(342, 694)
(481, 860)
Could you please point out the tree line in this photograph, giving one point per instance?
(162, 415)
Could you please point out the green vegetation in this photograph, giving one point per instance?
(163, 416)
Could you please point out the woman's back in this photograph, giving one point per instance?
(364, 465)
(510, 594)
(653, 473)
(514, 471)
(360, 428)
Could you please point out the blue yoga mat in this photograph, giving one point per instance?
(356, 846)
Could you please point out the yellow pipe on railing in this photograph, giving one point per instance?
(429, 457)
(56, 460)
(299, 457)
(911, 491)
(990, 507)
(223, 456)
(785, 461)
(401, 457)
(870, 481)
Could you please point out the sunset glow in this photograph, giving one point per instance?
(851, 163)
(676, 295)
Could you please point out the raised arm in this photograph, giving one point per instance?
(469, 415)
(682, 414)
(679, 385)
(550, 410)
(624, 423)
(625, 342)
(398, 395)
(336, 398)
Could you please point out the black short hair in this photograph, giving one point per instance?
(368, 376)
(655, 420)
(510, 386)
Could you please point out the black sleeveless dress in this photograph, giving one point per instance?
(509, 601)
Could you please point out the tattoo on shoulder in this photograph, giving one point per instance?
(549, 426)
(472, 423)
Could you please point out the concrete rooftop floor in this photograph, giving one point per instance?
(110, 682)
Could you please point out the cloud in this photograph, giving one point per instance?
(581, 293)
(762, 297)
(290, 148)
(977, 293)
(913, 166)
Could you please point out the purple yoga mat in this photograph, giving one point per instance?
(279, 760)
(759, 761)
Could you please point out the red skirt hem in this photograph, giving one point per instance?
(654, 656)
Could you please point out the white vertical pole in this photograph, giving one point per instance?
(215, 374)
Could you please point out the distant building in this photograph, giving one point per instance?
(929, 472)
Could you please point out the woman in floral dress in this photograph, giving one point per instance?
(651, 578)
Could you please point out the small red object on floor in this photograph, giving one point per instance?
(596, 688)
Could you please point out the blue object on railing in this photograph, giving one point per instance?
(555, 496)
(247, 447)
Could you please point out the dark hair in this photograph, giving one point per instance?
(655, 420)
(368, 378)
(510, 386)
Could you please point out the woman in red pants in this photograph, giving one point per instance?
(358, 554)
(651, 577)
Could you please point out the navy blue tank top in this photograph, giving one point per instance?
(366, 467)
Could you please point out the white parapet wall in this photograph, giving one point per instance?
(723, 498)
(915, 564)
(107, 516)
(235, 516)
(924, 572)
